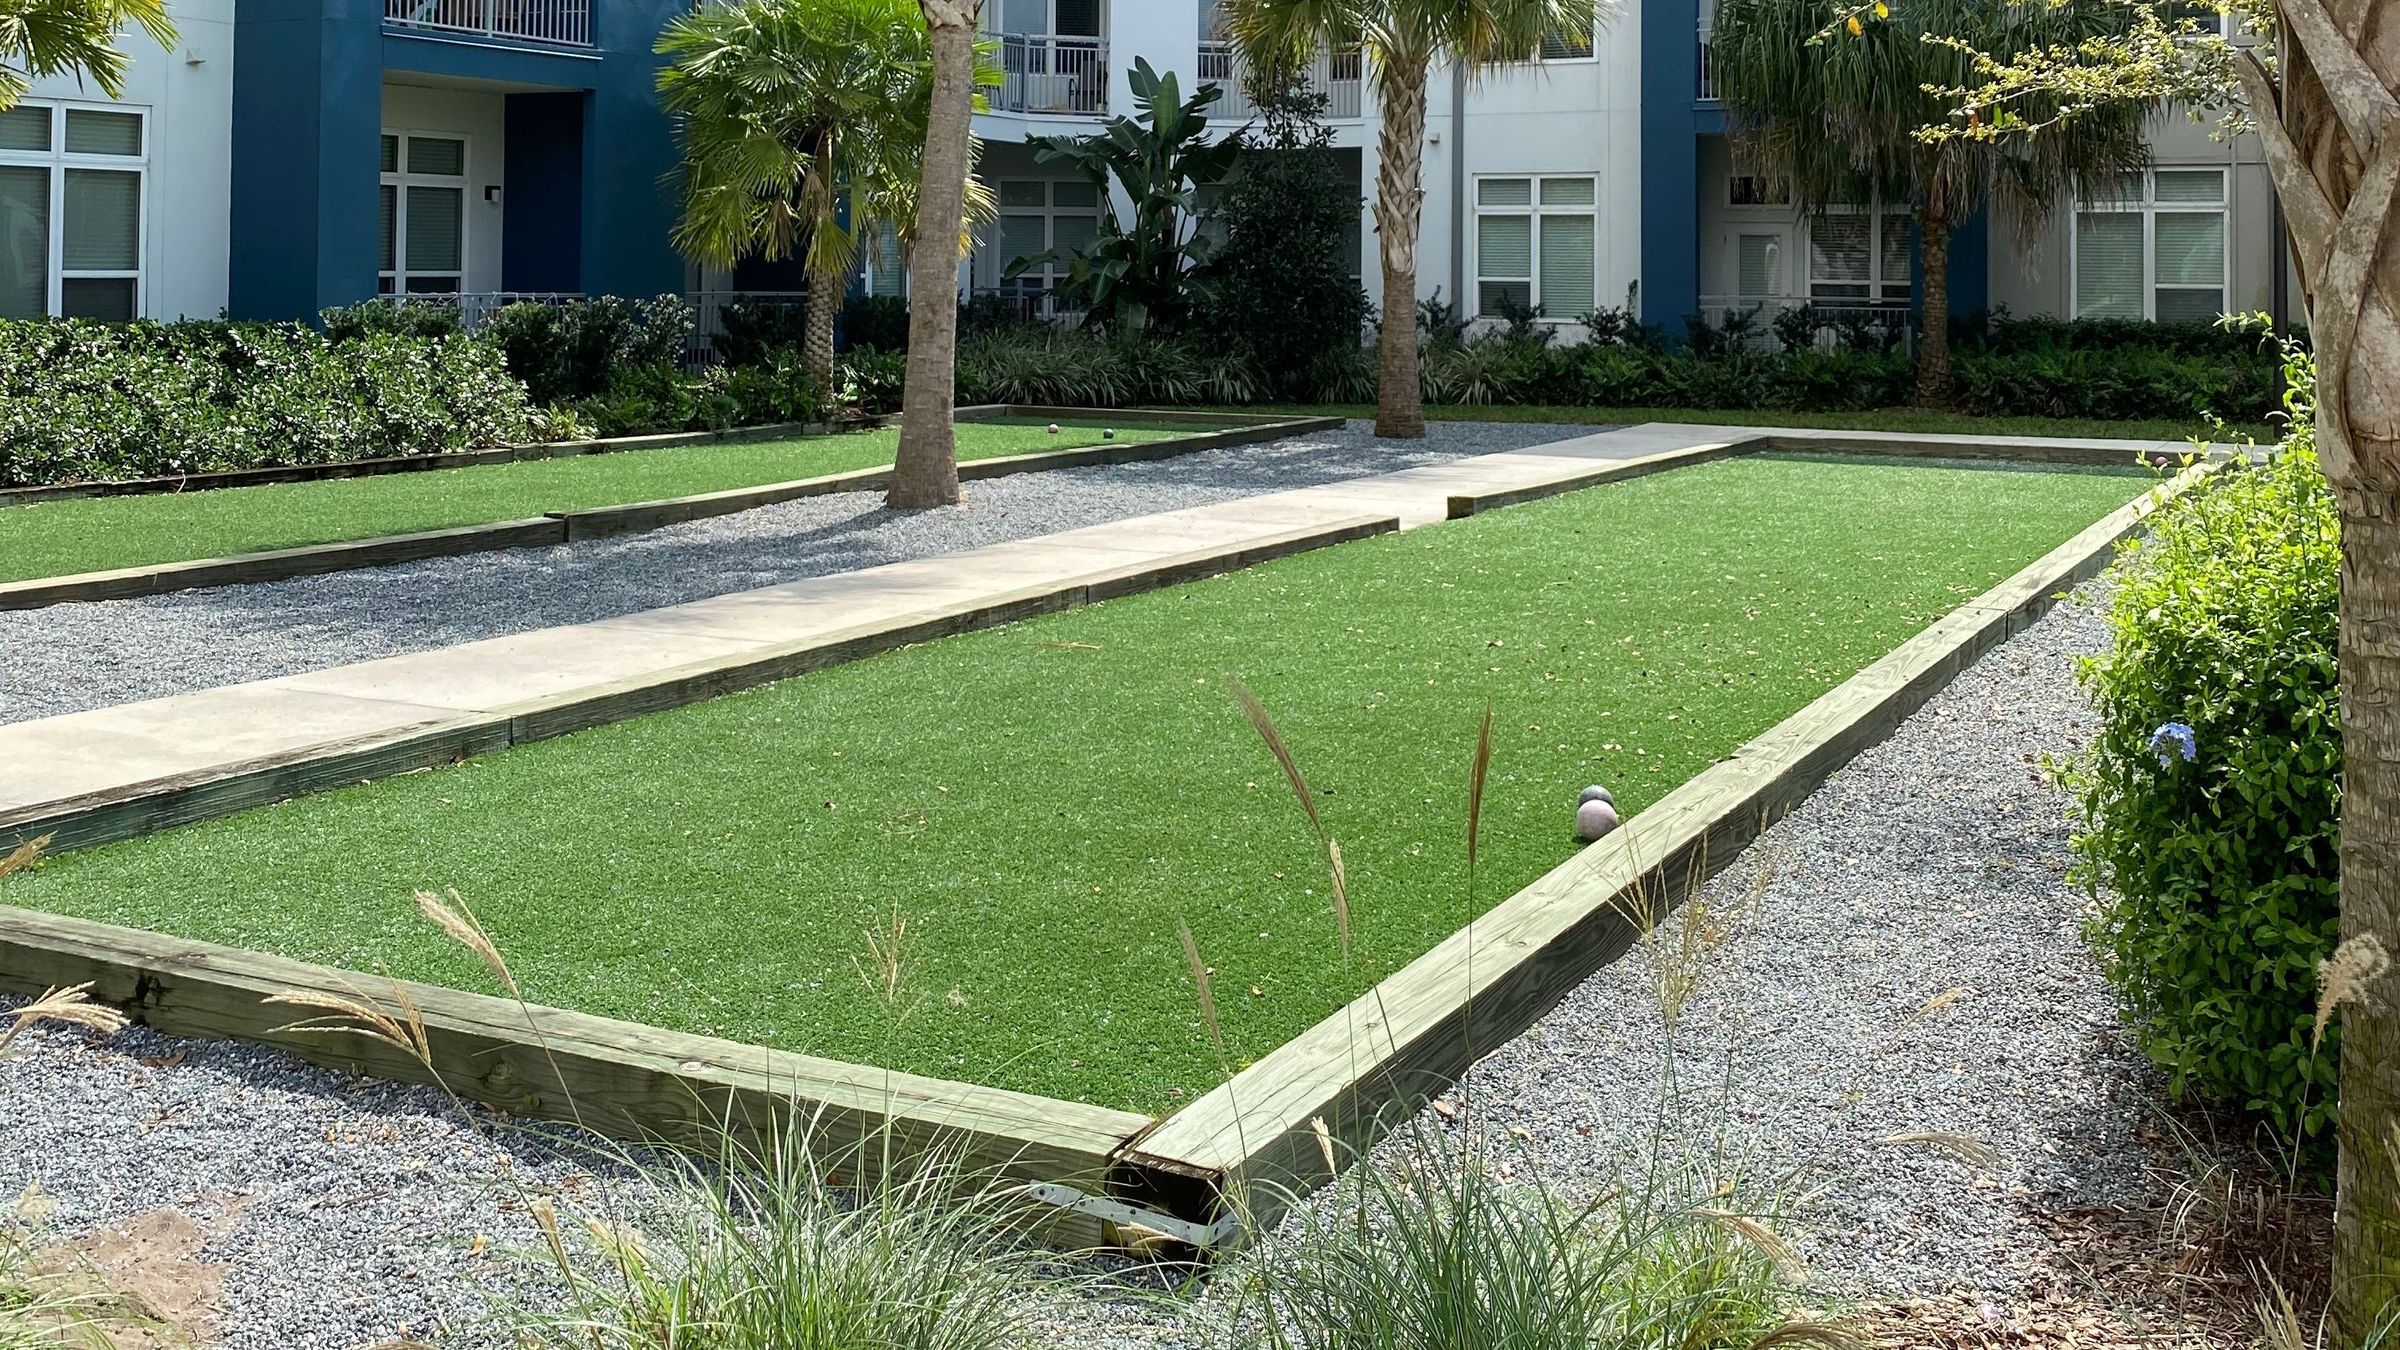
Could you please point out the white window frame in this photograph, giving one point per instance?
(1049, 275)
(1775, 201)
(1590, 56)
(1534, 211)
(58, 160)
(1878, 285)
(2149, 207)
(397, 277)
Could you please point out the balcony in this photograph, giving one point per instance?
(561, 23)
(1339, 76)
(1048, 73)
(1708, 70)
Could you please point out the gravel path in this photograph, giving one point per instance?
(68, 658)
(1824, 1023)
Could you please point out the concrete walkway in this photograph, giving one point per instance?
(136, 750)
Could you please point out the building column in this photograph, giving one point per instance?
(1670, 179)
(307, 122)
(629, 159)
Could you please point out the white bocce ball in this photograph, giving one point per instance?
(1594, 820)
(1054, 428)
(1597, 793)
(1108, 433)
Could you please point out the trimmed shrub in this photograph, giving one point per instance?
(2212, 852)
(578, 349)
(876, 322)
(82, 401)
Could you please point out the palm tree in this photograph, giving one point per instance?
(1401, 40)
(791, 111)
(925, 473)
(1828, 100)
(72, 37)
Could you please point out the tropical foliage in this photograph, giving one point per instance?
(1146, 271)
(73, 37)
(802, 122)
(1402, 41)
(1835, 117)
(1283, 289)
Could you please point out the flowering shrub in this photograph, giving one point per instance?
(88, 401)
(2208, 806)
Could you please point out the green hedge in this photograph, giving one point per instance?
(2240, 382)
(2208, 806)
(86, 401)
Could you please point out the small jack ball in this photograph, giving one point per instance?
(1054, 428)
(1594, 820)
(1597, 793)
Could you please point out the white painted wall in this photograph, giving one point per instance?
(483, 119)
(188, 92)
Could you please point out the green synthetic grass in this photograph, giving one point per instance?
(1893, 419)
(99, 533)
(1044, 801)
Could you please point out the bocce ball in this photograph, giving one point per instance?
(1108, 433)
(1054, 428)
(1597, 793)
(1594, 819)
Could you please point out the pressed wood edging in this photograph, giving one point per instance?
(1251, 1141)
(622, 1079)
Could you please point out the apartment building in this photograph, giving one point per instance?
(287, 155)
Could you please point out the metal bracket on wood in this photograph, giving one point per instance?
(1199, 1237)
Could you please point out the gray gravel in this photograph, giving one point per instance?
(68, 658)
(343, 1212)
(1932, 864)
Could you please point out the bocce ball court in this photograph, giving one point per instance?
(1044, 802)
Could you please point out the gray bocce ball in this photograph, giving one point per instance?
(1594, 819)
(1597, 793)
(1108, 433)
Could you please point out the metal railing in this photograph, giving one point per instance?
(1044, 73)
(1770, 323)
(1029, 300)
(1708, 70)
(565, 23)
(1339, 76)
(473, 307)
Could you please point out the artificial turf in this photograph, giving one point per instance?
(1045, 801)
(93, 534)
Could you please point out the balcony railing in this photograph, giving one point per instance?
(1339, 76)
(1044, 73)
(565, 23)
(1708, 70)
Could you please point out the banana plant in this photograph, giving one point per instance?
(1143, 271)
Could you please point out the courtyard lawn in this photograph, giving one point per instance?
(100, 533)
(1892, 419)
(1045, 801)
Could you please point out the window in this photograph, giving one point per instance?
(883, 264)
(1567, 44)
(1060, 216)
(422, 243)
(1758, 272)
(1858, 255)
(2155, 249)
(72, 193)
(1747, 190)
(1537, 245)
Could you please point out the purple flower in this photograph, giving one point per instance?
(2172, 739)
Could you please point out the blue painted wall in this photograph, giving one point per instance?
(590, 211)
(541, 219)
(1670, 162)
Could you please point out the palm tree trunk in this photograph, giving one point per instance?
(1933, 347)
(926, 471)
(826, 285)
(1399, 214)
(2367, 1220)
